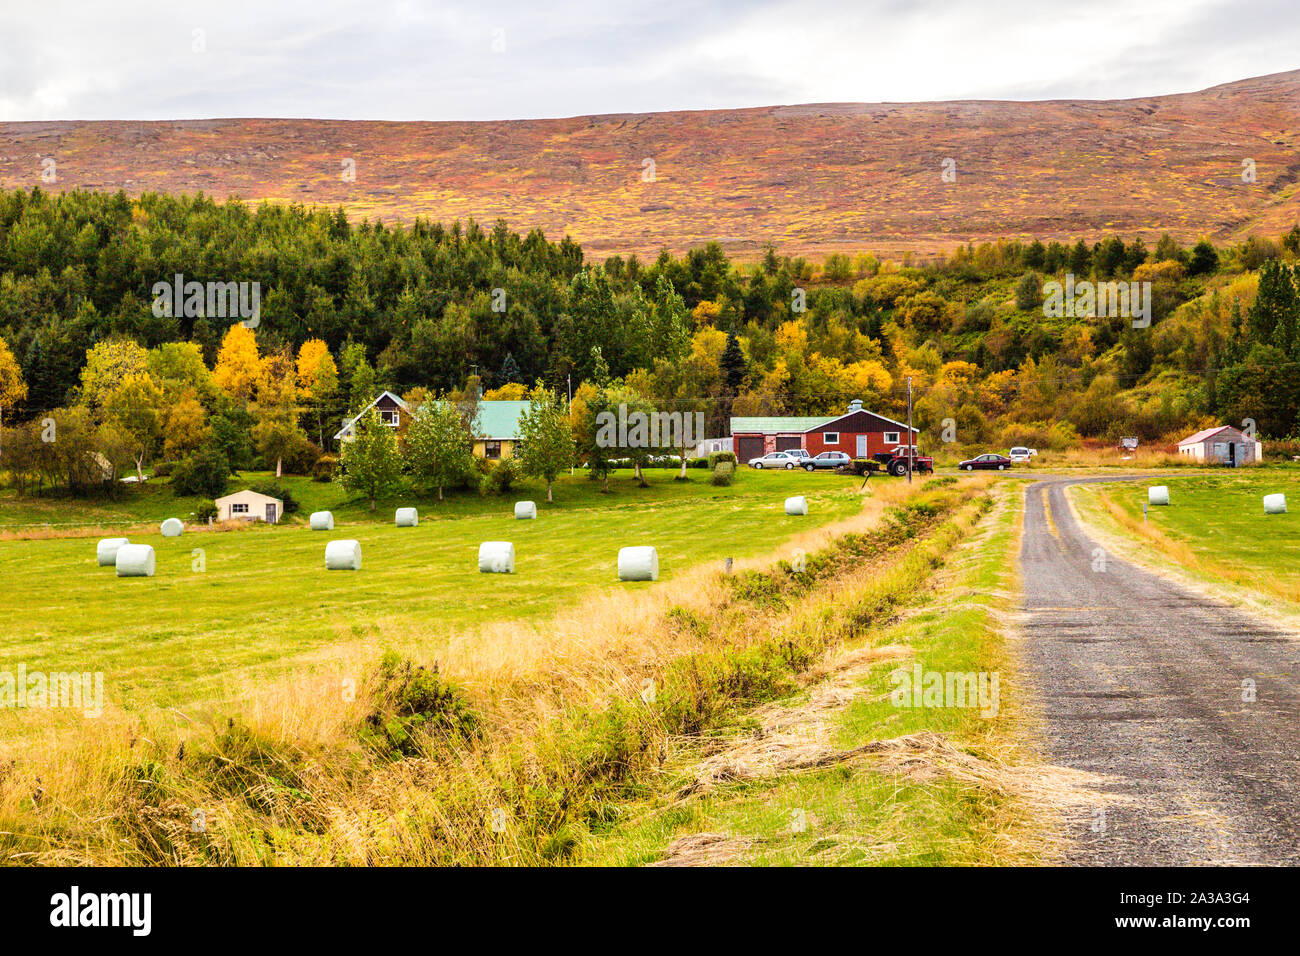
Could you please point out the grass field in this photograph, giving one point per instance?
(1214, 526)
(264, 602)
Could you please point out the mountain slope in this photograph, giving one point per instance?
(812, 179)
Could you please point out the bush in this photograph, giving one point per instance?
(697, 463)
(501, 477)
(271, 489)
(717, 456)
(207, 511)
(410, 702)
(325, 468)
(163, 469)
(723, 473)
(202, 473)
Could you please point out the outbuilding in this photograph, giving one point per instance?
(1222, 445)
(250, 506)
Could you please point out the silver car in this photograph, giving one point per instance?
(775, 459)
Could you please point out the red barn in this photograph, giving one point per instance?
(858, 433)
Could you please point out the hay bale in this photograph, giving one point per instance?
(496, 557)
(407, 517)
(1158, 495)
(106, 551)
(134, 561)
(322, 521)
(172, 528)
(798, 505)
(638, 564)
(343, 555)
(525, 509)
(1275, 504)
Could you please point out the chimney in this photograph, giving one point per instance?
(855, 405)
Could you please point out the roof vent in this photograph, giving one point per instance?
(855, 405)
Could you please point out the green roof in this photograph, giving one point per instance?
(778, 423)
(500, 419)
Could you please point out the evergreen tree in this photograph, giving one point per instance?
(732, 362)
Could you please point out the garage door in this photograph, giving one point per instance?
(749, 447)
(786, 442)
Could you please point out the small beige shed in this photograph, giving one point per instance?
(250, 506)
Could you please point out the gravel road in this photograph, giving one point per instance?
(1142, 681)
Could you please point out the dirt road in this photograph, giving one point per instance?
(1143, 682)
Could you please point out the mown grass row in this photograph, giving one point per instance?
(425, 767)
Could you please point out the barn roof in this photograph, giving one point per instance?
(245, 493)
(778, 423)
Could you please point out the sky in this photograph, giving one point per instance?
(522, 59)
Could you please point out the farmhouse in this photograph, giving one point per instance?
(249, 505)
(497, 434)
(858, 433)
(390, 407)
(1222, 445)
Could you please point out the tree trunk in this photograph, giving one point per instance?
(548, 492)
(372, 502)
(139, 469)
(683, 463)
(440, 492)
(279, 466)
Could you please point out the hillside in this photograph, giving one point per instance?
(812, 179)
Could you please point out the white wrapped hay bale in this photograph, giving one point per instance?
(638, 564)
(322, 521)
(407, 517)
(343, 555)
(798, 505)
(525, 509)
(1275, 504)
(1158, 495)
(496, 557)
(135, 561)
(172, 528)
(106, 551)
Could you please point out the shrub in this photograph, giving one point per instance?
(325, 468)
(202, 473)
(410, 701)
(163, 469)
(717, 456)
(501, 477)
(271, 489)
(723, 473)
(207, 511)
(697, 463)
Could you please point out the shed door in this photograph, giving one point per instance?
(749, 446)
(787, 442)
(862, 446)
(270, 513)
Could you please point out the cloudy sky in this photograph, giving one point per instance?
(487, 59)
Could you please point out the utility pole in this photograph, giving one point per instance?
(570, 380)
(911, 442)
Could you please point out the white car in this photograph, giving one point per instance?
(1021, 453)
(776, 459)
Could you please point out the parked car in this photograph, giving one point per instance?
(827, 460)
(800, 453)
(986, 462)
(1021, 453)
(775, 459)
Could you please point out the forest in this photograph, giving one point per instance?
(430, 309)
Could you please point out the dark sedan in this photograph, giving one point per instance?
(986, 462)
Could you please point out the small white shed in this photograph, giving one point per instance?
(250, 506)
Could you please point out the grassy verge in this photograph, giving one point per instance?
(839, 774)
(1214, 530)
(517, 747)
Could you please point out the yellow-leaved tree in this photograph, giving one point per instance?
(238, 367)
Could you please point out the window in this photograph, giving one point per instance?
(238, 508)
(891, 438)
(831, 438)
(492, 449)
(390, 417)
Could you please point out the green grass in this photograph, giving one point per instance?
(1218, 520)
(265, 599)
(852, 815)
